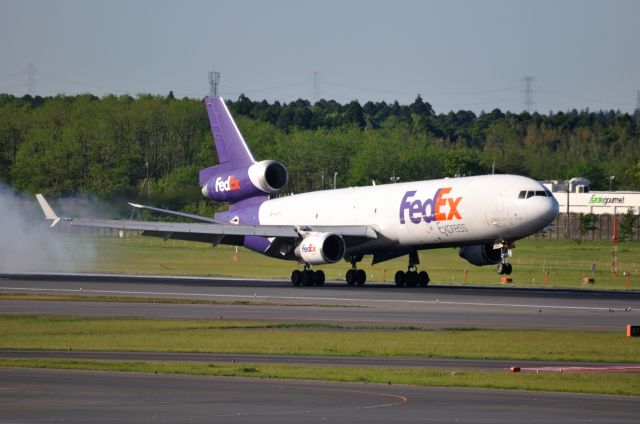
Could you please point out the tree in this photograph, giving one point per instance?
(587, 223)
(627, 223)
(421, 108)
(354, 114)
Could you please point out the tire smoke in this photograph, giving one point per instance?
(28, 244)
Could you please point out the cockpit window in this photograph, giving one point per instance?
(527, 194)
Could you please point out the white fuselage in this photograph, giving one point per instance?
(425, 214)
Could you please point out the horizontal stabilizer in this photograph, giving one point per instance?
(47, 209)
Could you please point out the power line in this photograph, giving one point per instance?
(422, 92)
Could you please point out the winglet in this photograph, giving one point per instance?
(48, 211)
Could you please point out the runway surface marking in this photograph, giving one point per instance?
(399, 399)
(311, 298)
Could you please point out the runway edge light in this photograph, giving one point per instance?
(633, 330)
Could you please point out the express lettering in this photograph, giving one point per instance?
(230, 184)
(438, 208)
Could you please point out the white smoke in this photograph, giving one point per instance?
(28, 244)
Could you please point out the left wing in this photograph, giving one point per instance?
(208, 230)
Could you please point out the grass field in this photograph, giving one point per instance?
(62, 333)
(566, 262)
(119, 334)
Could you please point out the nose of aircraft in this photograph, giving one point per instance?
(552, 209)
(539, 212)
(544, 210)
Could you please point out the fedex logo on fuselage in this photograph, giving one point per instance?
(230, 184)
(439, 208)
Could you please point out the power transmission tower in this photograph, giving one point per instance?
(31, 79)
(528, 93)
(214, 80)
(316, 86)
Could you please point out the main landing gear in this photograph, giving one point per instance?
(355, 276)
(412, 277)
(504, 268)
(307, 277)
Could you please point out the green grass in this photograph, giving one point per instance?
(120, 334)
(565, 261)
(134, 299)
(617, 384)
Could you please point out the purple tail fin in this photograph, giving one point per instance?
(231, 148)
(238, 179)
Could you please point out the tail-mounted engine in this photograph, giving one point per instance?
(265, 177)
(321, 248)
(482, 254)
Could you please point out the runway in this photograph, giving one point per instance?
(81, 396)
(335, 303)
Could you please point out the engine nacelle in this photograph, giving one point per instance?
(269, 176)
(483, 254)
(231, 185)
(321, 248)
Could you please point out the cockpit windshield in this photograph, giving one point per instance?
(525, 194)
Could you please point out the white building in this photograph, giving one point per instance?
(579, 199)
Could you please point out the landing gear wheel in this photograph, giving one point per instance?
(318, 278)
(505, 269)
(399, 279)
(361, 277)
(423, 279)
(412, 279)
(306, 278)
(295, 278)
(351, 277)
(505, 253)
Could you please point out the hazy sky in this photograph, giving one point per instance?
(456, 54)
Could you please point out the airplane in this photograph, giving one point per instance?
(482, 215)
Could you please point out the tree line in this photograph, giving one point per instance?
(153, 146)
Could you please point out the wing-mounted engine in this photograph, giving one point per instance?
(321, 248)
(482, 254)
(223, 185)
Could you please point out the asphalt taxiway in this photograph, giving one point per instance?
(335, 303)
(28, 395)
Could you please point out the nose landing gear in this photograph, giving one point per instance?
(504, 268)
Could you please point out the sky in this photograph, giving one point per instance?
(470, 55)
